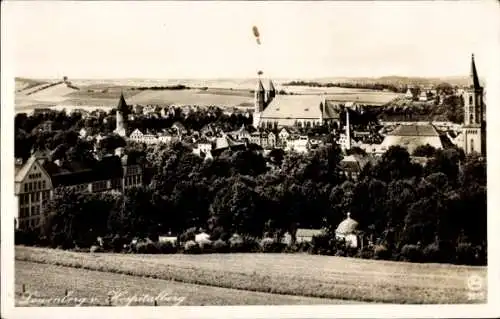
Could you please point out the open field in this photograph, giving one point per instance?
(43, 281)
(292, 274)
(188, 97)
(228, 93)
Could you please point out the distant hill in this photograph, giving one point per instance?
(401, 80)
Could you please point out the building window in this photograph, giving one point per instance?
(25, 188)
(39, 185)
(470, 100)
(44, 184)
(471, 145)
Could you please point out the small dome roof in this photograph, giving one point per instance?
(347, 226)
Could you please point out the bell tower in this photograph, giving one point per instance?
(474, 127)
(122, 112)
(259, 102)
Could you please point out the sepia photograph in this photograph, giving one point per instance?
(180, 154)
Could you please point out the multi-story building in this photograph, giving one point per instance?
(36, 180)
(33, 186)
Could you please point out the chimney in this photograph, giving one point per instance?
(348, 130)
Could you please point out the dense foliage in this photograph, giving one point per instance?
(434, 213)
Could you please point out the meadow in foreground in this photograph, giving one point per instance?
(43, 281)
(291, 274)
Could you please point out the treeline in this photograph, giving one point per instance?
(435, 213)
(451, 109)
(349, 85)
(45, 87)
(162, 88)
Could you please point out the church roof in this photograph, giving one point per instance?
(291, 107)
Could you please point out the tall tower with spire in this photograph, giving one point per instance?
(474, 127)
(122, 112)
(259, 102)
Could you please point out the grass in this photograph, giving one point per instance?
(43, 281)
(291, 274)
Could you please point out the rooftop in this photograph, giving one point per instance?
(300, 107)
(415, 130)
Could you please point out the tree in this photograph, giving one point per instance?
(110, 143)
(396, 164)
(77, 218)
(424, 151)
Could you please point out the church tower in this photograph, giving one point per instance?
(122, 111)
(259, 103)
(474, 128)
(260, 97)
(271, 93)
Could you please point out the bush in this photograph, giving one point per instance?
(236, 244)
(116, 243)
(220, 246)
(166, 247)
(146, 248)
(206, 247)
(365, 253)
(269, 245)
(322, 245)
(304, 247)
(188, 235)
(412, 253)
(43, 241)
(96, 249)
(219, 233)
(249, 245)
(381, 252)
(292, 248)
(432, 253)
(191, 247)
(465, 254)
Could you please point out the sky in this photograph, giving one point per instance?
(49, 39)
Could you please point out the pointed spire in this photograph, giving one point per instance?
(122, 105)
(260, 87)
(473, 73)
(271, 86)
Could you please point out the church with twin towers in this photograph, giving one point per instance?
(273, 110)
